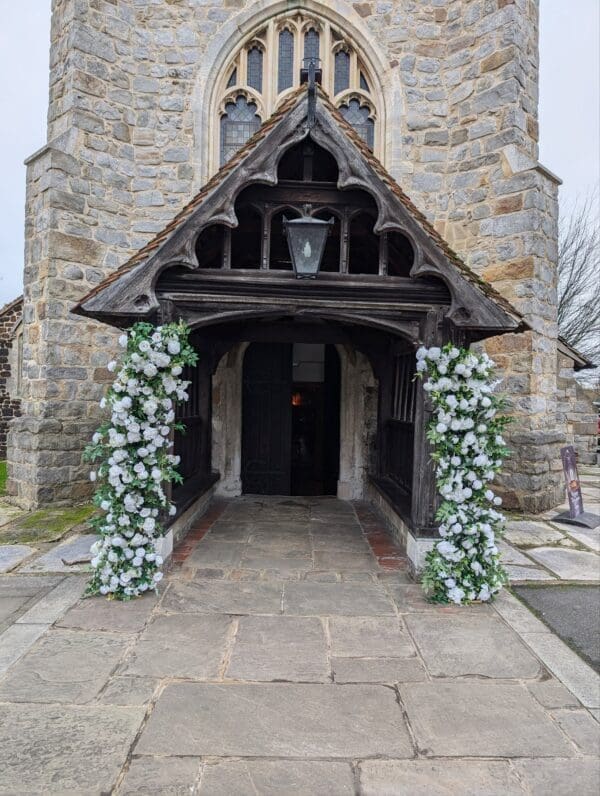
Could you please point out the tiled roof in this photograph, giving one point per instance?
(291, 101)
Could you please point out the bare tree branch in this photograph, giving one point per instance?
(579, 278)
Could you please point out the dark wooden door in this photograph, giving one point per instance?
(266, 419)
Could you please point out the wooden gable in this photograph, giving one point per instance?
(130, 292)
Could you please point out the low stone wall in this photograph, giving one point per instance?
(10, 405)
(577, 411)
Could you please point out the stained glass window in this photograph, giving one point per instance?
(285, 72)
(342, 72)
(255, 68)
(232, 79)
(363, 82)
(238, 123)
(358, 117)
(311, 44)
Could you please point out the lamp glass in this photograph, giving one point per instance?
(306, 238)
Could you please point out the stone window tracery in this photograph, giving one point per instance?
(239, 122)
(267, 67)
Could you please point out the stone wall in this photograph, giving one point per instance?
(577, 412)
(130, 89)
(10, 406)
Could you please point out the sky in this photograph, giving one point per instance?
(569, 108)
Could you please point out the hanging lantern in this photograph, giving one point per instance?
(306, 238)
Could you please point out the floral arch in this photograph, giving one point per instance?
(265, 67)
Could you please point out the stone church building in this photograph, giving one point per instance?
(183, 136)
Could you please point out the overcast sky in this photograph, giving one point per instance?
(569, 108)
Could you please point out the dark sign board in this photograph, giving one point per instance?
(569, 462)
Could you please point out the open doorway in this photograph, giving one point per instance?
(290, 419)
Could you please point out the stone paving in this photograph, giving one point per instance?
(542, 550)
(289, 653)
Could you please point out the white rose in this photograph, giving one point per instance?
(173, 347)
(123, 341)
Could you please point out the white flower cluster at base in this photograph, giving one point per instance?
(466, 434)
(133, 458)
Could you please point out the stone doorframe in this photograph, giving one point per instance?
(358, 422)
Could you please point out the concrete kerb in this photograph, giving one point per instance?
(580, 679)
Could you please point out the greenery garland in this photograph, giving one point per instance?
(133, 463)
(466, 433)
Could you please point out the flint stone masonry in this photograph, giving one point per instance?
(130, 93)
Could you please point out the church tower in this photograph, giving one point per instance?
(148, 100)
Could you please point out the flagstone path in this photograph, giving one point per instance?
(289, 653)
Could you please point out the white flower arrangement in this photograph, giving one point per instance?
(132, 452)
(466, 434)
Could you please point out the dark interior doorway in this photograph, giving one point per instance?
(290, 419)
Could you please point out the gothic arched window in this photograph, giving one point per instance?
(238, 124)
(359, 117)
(255, 69)
(267, 66)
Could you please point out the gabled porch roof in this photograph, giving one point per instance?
(129, 291)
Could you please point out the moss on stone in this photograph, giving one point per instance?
(45, 525)
(3, 478)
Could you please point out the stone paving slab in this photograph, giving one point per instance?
(531, 533)
(216, 553)
(552, 694)
(276, 562)
(15, 641)
(459, 646)
(114, 616)
(340, 544)
(16, 585)
(568, 564)
(525, 574)
(344, 561)
(11, 555)
(277, 778)
(473, 719)
(510, 555)
(223, 597)
(582, 729)
(53, 604)
(230, 532)
(378, 670)
(279, 648)
(369, 637)
(276, 720)
(187, 645)
(64, 749)
(344, 599)
(567, 666)
(124, 690)
(168, 776)
(550, 777)
(280, 544)
(10, 605)
(63, 666)
(438, 778)
(588, 538)
(74, 549)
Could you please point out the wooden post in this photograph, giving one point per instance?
(424, 493)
